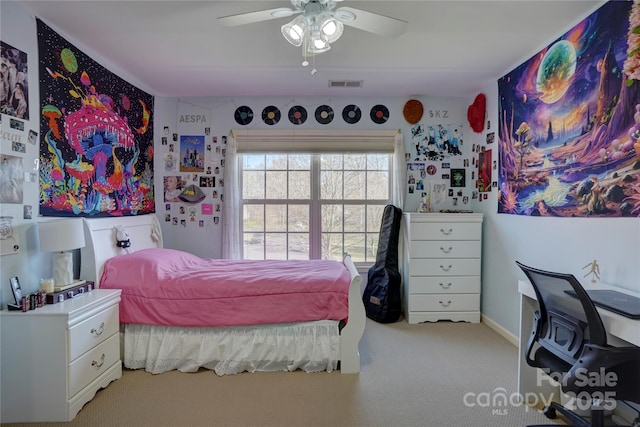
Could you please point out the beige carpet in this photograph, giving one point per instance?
(411, 375)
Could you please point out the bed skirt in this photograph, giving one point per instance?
(309, 346)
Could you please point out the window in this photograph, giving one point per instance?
(313, 206)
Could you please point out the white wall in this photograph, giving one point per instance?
(556, 244)
(218, 114)
(562, 244)
(18, 29)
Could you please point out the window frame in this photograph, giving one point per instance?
(295, 141)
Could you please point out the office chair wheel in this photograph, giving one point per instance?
(549, 412)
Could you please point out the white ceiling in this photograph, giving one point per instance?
(178, 49)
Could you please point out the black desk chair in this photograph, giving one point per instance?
(569, 341)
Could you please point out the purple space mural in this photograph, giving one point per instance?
(569, 124)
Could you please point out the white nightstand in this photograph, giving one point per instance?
(56, 357)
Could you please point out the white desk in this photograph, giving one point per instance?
(621, 331)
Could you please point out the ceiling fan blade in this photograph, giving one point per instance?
(259, 16)
(374, 22)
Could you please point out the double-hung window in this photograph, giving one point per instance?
(314, 201)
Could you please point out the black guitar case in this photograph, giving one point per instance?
(381, 296)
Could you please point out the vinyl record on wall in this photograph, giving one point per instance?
(351, 114)
(297, 114)
(379, 114)
(271, 115)
(324, 114)
(243, 115)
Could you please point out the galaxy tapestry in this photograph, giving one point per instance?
(96, 150)
(569, 123)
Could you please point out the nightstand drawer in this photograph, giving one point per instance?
(445, 231)
(444, 302)
(93, 331)
(445, 284)
(93, 363)
(445, 267)
(445, 249)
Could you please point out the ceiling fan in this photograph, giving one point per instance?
(318, 24)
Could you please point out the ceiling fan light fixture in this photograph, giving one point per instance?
(294, 31)
(316, 45)
(330, 29)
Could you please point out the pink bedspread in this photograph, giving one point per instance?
(175, 288)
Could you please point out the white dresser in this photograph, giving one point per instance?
(441, 266)
(56, 357)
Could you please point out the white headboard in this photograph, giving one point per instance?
(100, 236)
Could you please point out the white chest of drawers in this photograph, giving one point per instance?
(55, 358)
(441, 266)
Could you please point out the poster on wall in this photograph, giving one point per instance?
(484, 171)
(569, 126)
(8, 241)
(14, 84)
(192, 153)
(96, 147)
(11, 179)
(436, 142)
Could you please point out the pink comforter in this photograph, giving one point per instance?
(175, 288)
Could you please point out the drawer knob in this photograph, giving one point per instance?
(99, 331)
(445, 268)
(447, 286)
(446, 251)
(446, 233)
(98, 364)
(445, 304)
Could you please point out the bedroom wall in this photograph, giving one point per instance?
(555, 243)
(190, 116)
(185, 117)
(18, 29)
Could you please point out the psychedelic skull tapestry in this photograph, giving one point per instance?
(96, 150)
(569, 122)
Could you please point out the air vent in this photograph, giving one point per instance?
(345, 83)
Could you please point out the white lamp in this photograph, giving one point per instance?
(59, 236)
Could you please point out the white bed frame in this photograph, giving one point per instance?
(145, 232)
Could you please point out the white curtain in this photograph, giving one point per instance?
(231, 212)
(399, 171)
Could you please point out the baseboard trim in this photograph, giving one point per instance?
(513, 339)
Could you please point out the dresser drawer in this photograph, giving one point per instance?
(93, 363)
(445, 267)
(446, 284)
(92, 331)
(444, 302)
(446, 231)
(445, 249)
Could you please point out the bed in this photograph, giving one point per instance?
(183, 332)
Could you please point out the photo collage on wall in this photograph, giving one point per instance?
(19, 139)
(193, 169)
(437, 166)
(14, 105)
